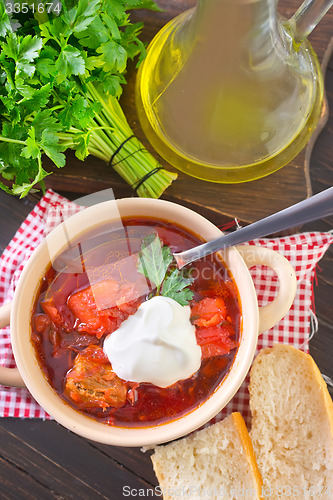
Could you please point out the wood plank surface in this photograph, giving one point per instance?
(57, 462)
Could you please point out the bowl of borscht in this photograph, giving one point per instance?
(119, 345)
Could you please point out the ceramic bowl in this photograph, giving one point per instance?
(255, 320)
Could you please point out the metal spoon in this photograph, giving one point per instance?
(315, 207)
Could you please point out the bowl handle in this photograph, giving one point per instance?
(270, 314)
(8, 376)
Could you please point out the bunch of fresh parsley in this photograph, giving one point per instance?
(60, 81)
(157, 263)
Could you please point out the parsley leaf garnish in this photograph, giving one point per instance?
(175, 286)
(154, 260)
(158, 265)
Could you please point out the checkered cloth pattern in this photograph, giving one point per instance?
(302, 250)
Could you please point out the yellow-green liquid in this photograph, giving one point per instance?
(219, 111)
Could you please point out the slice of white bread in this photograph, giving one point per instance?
(215, 462)
(292, 425)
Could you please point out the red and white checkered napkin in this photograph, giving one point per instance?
(302, 250)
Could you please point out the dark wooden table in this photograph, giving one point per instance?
(42, 460)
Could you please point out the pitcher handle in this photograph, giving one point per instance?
(8, 376)
(307, 17)
(270, 314)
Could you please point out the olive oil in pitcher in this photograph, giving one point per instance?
(226, 92)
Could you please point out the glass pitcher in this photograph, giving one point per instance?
(229, 92)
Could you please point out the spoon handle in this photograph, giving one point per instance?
(315, 207)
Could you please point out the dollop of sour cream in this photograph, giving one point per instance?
(157, 344)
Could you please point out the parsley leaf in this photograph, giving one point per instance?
(69, 62)
(5, 26)
(154, 262)
(175, 286)
(154, 259)
(143, 4)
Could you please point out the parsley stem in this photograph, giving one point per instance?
(15, 141)
(109, 132)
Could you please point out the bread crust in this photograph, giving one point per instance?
(248, 447)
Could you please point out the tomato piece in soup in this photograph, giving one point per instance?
(52, 312)
(58, 313)
(101, 307)
(208, 312)
(216, 340)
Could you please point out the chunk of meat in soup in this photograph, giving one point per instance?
(91, 382)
